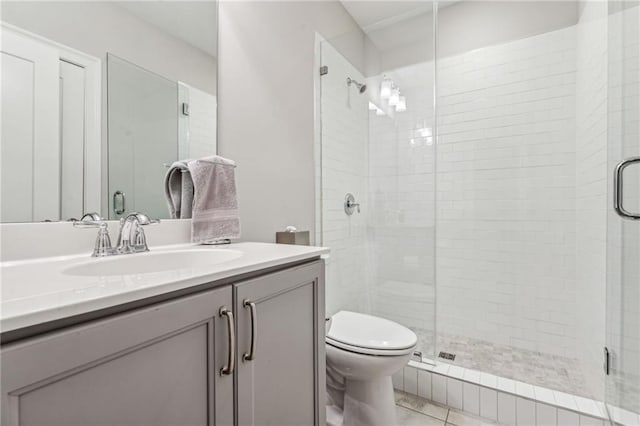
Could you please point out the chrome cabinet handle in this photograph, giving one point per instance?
(121, 210)
(618, 188)
(254, 330)
(231, 363)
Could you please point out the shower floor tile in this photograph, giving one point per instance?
(535, 368)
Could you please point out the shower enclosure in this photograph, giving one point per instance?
(482, 153)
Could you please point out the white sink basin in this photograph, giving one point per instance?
(153, 262)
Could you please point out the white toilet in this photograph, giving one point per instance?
(363, 352)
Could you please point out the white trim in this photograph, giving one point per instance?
(93, 117)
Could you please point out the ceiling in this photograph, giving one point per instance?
(373, 15)
(390, 25)
(194, 22)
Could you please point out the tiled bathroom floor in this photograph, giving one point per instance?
(414, 411)
(554, 372)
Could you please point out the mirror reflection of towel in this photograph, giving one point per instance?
(215, 203)
(178, 188)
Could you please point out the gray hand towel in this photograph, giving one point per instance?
(178, 189)
(186, 201)
(215, 204)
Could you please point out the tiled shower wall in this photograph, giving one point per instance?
(196, 130)
(506, 194)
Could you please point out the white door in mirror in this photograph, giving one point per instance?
(50, 129)
(30, 129)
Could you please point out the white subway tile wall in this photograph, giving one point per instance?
(424, 384)
(506, 194)
(568, 418)
(591, 190)
(506, 408)
(488, 403)
(471, 398)
(439, 388)
(197, 130)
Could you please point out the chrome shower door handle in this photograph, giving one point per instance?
(254, 330)
(231, 362)
(122, 209)
(618, 189)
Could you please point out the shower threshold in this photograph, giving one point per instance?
(506, 401)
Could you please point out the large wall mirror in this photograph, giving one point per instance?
(98, 100)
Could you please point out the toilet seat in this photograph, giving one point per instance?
(369, 335)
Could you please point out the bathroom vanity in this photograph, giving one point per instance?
(240, 341)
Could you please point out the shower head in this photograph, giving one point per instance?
(361, 87)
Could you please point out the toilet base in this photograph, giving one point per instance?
(369, 402)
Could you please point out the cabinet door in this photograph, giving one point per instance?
(154, 366)
(284, 382)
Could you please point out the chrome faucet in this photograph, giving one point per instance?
(131, 238)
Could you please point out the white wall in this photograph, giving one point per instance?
(266, 106)
(591, 189)
(98, 27)
(469, 25)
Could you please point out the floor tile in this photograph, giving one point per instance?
(407, 417)
(421, 405)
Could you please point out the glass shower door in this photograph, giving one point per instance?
(622, 355)
(376, 143)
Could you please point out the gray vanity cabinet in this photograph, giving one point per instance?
(161, 364)
(153, 366)
(281, 381)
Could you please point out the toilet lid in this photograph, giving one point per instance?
(351, 330)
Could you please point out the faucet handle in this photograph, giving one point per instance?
(103, 241)
(132, 238)
(93, 216)
(142, 219)
(89, 223)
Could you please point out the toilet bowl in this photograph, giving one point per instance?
(363, 352)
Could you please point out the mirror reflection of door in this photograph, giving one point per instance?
(49, 129)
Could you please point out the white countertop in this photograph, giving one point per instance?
(38, 291)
